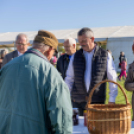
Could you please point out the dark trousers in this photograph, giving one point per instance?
(82, 106)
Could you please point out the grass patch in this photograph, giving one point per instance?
(120, 99)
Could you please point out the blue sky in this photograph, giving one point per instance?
(32, 15)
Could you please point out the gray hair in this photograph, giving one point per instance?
(71, 41)
(40, 46)
(20, 35)
(86, 31)
(3, 51)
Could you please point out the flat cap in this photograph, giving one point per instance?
(46, 38)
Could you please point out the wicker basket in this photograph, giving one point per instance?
(108, 118)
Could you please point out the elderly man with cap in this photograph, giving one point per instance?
(21, 44)
(33, 96)
(63, 61)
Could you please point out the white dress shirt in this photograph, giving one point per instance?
(19, 54)
(111, 74)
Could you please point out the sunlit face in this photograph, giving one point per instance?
(21, 44)
(86, 43)
(69, 49)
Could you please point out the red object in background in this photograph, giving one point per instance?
(85, 117)
(123, 65)
(133, 47)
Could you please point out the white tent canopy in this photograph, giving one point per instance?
(101, 33)
(118, 39)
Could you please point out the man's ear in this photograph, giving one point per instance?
(47, 53)
(74, 45)
(28, 44)
(92, 39)
(49, 50)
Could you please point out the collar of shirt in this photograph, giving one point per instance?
(19, 54)
(92, 52)
(38, 53)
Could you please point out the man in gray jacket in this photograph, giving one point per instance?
(21, 44)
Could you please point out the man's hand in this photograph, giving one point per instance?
(111, 103)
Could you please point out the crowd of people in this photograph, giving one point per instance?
(37, 98)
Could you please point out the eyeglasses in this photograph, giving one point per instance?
(66, 46)
(19, 44)
(84, 40)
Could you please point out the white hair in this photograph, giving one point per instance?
(22, 35)
(71, 41)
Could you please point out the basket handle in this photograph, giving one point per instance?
(92, 91)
